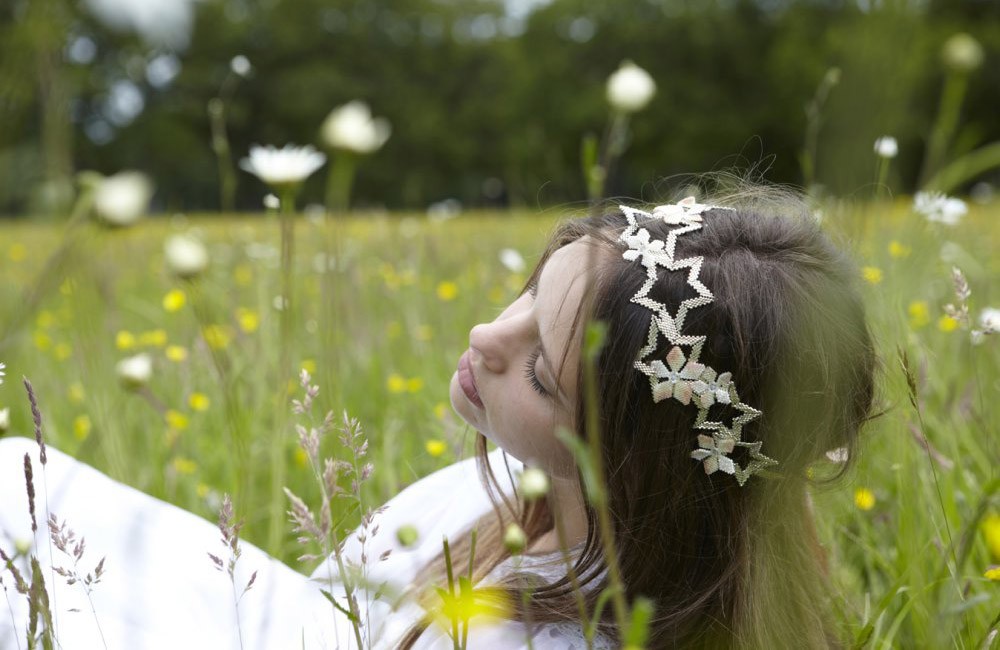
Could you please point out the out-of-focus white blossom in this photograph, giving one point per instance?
(159, 22)
(514, 539)
(122, 199)
(630, 88)
(186, 255)
(511, 259)
(989, 319)
(2, 373)
(886, 147)
(136, 371)
(962, 53)
(283, 167)
(271, 202)
(939, 208)
(240, 65)
(353, 128)
(4, 419)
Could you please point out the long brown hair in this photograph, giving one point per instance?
(725, 566)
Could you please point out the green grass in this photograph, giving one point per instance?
(385, 350)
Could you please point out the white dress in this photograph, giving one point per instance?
(161, 590)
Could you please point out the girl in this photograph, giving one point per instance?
(735, 353)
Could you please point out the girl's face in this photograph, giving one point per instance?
(509, 384)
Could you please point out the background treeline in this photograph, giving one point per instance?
(476, 96)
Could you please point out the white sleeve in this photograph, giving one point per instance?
(160, 589)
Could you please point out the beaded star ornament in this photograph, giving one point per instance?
(682, 377)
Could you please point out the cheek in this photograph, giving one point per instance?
(528, 432)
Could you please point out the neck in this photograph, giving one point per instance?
(566, 504)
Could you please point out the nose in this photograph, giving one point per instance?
(498, 342)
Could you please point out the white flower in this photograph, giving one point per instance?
(838, 455)
(989, 320)
(630, 88)
(122, 199)
(4, 419)
(2, 373)
(240, 65)
(136, 371)
(511, 259)
(679, 377)
(640, 245)
(533, 483)
(962, 53)
(353, 128)
(713, 452)
(289, 165)
(940, 208)
(682, 212)
(271, 202)
(185, 254)
(711, 388)
(886, 147)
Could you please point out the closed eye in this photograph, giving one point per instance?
(529, 373)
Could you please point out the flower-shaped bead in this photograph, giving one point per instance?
(713, 452)
(711, 388)
(640, 246)
(683, 212)
(678, 375)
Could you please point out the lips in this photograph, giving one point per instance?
(467, 380)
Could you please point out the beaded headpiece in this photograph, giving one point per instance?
(682, 377)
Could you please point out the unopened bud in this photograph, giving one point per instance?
(534, 483)
(407, 535)
(514, 539)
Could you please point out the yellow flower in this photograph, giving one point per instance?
(174, 301)
(440, 410)
(199, 402)
(216, 336)
(301, 457)
(243, 275)
(176, 420)
(45, 319)
(124, 340)
(920, 314)
(201, 490)
(81, 427)
(153, 338)
(424, 333)
(396, 383)
(864, 498)
(75, 392)
(435, 447)
(947, 324)
(309, 365)
(872, 274)
(993, 573)
(447, 290)
(42, 340)
(176, 353)
(63, 351)
(414, 384)
(17, 252)
(898, 249)
(482, 605)
(248, 320)
(991, 531)
(184, 465)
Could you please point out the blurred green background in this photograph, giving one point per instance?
(488, 99)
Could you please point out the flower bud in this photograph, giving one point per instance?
(514, 539)
(630, 88)
(886, 147)
(135, 372)
(353, 128)
(22, 546)
(240, 65)
(4, 419)
(962, 53)
(271, 202)
(407, 535)
(534, 483)
(186, 256)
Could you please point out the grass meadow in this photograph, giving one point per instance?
(912, 531)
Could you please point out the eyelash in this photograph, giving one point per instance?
(529, 373)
